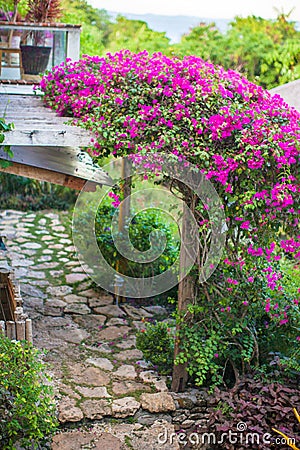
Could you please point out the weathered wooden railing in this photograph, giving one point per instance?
(14, 323)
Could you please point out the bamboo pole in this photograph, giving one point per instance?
(28, 330)
(11, 330)
(20, 330)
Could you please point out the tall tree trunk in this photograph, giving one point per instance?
(185, 297)
(124, 213)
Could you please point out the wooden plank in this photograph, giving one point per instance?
(17, 89)
(31, 119)
(46, 175)
(66, 136)
(65, 160)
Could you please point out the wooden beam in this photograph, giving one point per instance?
(46, 175)
(64, 160)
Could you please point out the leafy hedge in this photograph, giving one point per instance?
(27, 408)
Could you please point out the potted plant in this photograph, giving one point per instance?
(35, 52)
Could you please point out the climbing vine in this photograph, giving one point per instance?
(5, 127)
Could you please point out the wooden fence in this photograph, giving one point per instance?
(14, 323)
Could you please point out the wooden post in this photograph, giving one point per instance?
(28, 330)
(20, 329)
(185, 297)
(124, 213)
(11, 330)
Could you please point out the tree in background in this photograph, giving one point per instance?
(136, 36)
(265, 51)
(95, 25)
(204, 40)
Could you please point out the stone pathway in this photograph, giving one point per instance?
(106, 392)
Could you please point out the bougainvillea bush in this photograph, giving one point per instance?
(246, 142)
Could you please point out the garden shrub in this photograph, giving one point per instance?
(157, 344)
(140, 228)
(27, 408)
(26, 194)
(259, 407)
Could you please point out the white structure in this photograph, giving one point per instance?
(63, 39)
(290, 92)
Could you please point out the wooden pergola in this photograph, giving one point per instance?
(43, 146)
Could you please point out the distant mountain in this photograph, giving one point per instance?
(174, 26)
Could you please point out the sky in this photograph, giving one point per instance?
(225, 9)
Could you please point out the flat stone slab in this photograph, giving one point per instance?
(148, 376)
(59, 291)
(90, 376)
(157, 437)
(126, 371)
(91, 322)
(102, 363)
(97, 392)
(58, 228)
(77, 308)
(56, 273)
(73, 335)
(109, 442)
(136, 313)
(31, 245)
(91, 293)
(23, 263)
(129, 354)
(127, 386)
(46, 265)
(110, 311)
(124, 407)
(160, 402)
(116, 321)
(72, 278)
(68, 411)
(53, 307)
(101, 301)
(32, 291)
(78, 440)
(114, 332)
(96, 409)
(72, 298)
(47, 237)
(128, 343)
